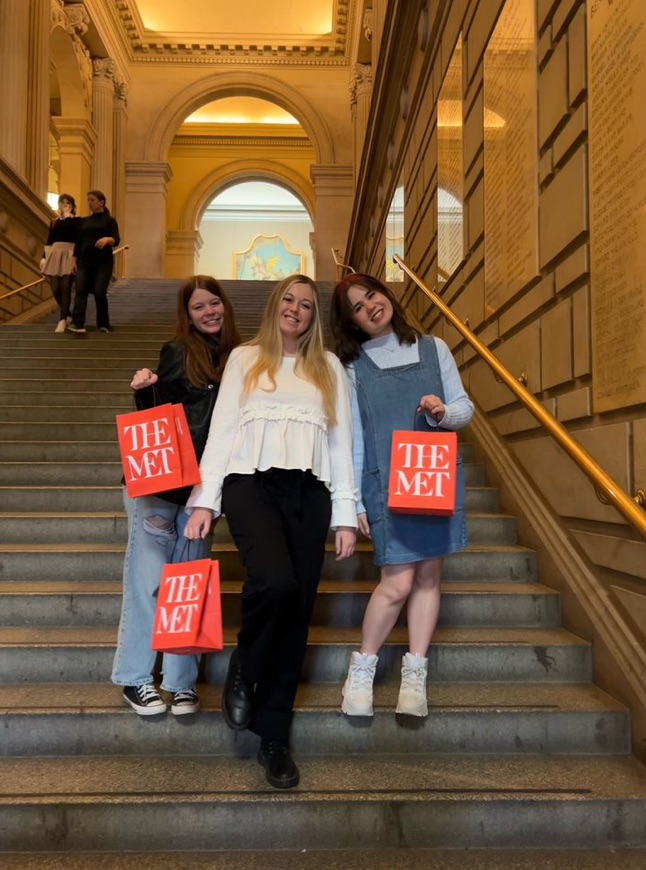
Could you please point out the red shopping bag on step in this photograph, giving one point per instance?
(157, 450)
(188, 619)
(423, 469)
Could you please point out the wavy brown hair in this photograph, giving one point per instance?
(311, 362)
(347, 336)
(198, 350)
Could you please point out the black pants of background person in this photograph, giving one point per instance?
(279, 520)
(92, 279)
(62, 292)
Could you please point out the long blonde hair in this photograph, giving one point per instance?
(311, 362)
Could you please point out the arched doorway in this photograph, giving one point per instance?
(255, 230)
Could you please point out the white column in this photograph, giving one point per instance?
(38, 89)
(360, 96)
(103, 120)
(14, 78)
(143, 227)
(333, 190)
(119, 150)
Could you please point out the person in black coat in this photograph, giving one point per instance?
(98, 235)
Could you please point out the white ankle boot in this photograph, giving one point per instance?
(412, 694)
(60, 326)
(357, 690)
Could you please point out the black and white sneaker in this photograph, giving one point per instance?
(185, 702)
(144, 700)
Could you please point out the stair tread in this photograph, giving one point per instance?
(404, 858)
(430, 778)
(504, 636)
(222, 547)
(95, 698)
(114, 587)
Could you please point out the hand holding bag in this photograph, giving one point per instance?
(157, 451)
(423, 468)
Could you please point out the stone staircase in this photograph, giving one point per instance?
(522, 763)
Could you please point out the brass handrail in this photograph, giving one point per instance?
(602, 481)
(339, 265)
(122, 250)
(20, 289)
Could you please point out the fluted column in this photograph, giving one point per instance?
(333, 190)
(119, 149)
(144, 223)
(38, 107)
(76, 139)
(103, 121)
(14, 77)
(360, 96)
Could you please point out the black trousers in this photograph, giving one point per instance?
(279, 520)
(92, 279)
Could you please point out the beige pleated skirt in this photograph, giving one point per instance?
(59, 259)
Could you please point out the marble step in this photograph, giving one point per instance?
(537, 655)
(85, 527)
(105, 561)
(354, 802)
(389, 858)
(512, 719)
(78, 603)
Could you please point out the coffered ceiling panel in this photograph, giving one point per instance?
(295, 31)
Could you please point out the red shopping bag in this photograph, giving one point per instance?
(157, 451)
(423, 472)
(188, 619)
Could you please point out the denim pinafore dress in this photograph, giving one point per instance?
(387, 400)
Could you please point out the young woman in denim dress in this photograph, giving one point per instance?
(400, 380)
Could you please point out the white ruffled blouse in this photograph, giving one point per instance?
(281, 428)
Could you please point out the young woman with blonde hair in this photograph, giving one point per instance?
(278, 463)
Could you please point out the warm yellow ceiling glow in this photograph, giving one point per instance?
(305, 18)
(449, 114)
(241, 110)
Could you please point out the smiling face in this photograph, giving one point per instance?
(371, 311)
(295, 313)
(206, 311)
(65, 207)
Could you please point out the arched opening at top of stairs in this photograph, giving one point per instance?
(247, 84)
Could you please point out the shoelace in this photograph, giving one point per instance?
(184, 696)
(361, 677)
(147, 693)
(413, 678)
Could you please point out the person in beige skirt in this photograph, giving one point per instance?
(58, 264)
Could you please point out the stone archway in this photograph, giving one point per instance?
(247, 170)
(214, 87)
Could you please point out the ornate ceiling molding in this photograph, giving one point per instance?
(150, 47)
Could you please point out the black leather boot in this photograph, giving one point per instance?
(280, 769)
(237, 696)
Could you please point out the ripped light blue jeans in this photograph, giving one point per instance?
(155, 538)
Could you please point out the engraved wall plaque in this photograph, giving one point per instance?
(510, 154)
(450, 172)
(617, 183)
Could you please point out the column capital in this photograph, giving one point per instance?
(120, 95)
(148, 176)
(360, 81)
(103, 69)
(77, 20)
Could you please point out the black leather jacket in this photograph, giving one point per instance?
(174, 387)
